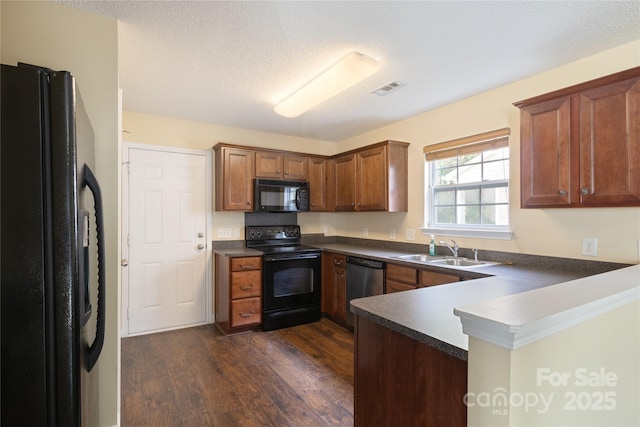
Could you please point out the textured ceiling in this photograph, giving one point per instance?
(229, 62)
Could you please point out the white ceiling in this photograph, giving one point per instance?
(229, 62)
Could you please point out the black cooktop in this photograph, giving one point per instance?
(273, 239)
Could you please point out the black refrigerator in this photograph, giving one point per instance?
(52, 296)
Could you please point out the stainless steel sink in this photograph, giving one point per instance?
(460, 262)
(419, 258)
(448, 261)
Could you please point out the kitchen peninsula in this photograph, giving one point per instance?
(410, 348)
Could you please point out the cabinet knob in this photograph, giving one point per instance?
(201, 246)
(562, 192)
(584, 191)
(249, 203)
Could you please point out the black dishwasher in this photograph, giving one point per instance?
(365, 278)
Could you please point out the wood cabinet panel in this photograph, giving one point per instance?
(246, 312)
(268, 164)
(278, 165)
(431, 278)
(402, 382)
(318, 170)
(392, 286)
(580, 146)
(238, 292)
(371, 180)
(402, 273)
(246, 284)
(610, 144)
(334, 287)
(545, 145)
(246, 263)
(345, 183)
(294, 167)
(234, 178)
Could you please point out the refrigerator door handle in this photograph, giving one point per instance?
(93, 352)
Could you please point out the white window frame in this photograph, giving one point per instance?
(488, 231)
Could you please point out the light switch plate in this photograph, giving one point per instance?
(392, 235)
(365, 232)
(224, 233)
(411, 234)
(590, 246)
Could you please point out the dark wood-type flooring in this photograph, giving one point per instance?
(299, 376)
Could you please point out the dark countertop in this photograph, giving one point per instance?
(426, 314)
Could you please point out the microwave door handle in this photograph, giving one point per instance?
(298, 198)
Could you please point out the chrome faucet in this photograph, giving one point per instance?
(453, 249)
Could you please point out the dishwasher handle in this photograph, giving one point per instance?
(369, 263)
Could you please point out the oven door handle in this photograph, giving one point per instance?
(292, 257)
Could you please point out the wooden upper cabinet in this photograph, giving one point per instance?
(545, 145)
(610, 145)
(234, 178)
(344, 171)
(580, 146)
(374, 178)
(318, 175)
(275, 165)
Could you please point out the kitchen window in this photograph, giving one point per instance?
(467, 182)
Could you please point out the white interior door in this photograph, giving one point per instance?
(167, 240)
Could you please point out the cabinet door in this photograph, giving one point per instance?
(345, 183)
(393, 286)
(545, 154)
(340, 295)
(610, 145)
(431, 278)
(295, 167)
(268, 165)
(317, 177)
(236, 184)
(371, 180)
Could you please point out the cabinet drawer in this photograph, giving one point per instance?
(246, 284)
(430, 278)
(402, 274)
(246, 311)
(393, 286)
(246, 263)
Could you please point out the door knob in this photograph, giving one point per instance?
(201, 246)
(124, 262)
(201, 234)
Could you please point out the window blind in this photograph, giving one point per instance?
(467, 145)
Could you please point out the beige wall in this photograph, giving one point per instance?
(62, 38)
(604, 350)
(166, 131)
(555, 232)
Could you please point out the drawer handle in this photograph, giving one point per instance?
(246, 288)
(562, 192)
(246, 266)
(338, 261)
(246, 314)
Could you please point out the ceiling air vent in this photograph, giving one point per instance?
(387, 88)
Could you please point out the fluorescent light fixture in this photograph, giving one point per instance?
(350, 70)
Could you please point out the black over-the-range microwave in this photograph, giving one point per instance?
(273, 195)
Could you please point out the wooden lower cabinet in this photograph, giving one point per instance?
(402, 382)
(238, 290)
(431, 278)
(334, 287)
(401, 278)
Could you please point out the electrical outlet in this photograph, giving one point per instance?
(236, 233)
(639, 249)
(392, 235)
(325, 230)
(590, 246)
(224, 233)
(411, 234)
(365, 231)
